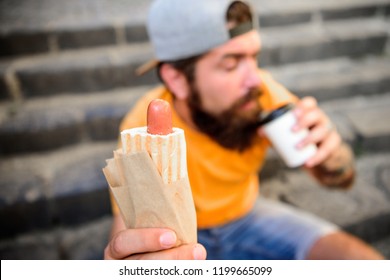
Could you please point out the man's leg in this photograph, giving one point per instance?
(341, 245)
(275, 230)
(272, 230)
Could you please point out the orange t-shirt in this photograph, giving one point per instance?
(224, 182)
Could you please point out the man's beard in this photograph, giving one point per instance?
(233, 128)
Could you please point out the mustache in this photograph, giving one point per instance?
(252, 95)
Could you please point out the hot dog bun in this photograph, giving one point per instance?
(165, 145)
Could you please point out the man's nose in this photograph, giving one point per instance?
(252, 78)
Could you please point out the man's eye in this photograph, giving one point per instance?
(230, 64)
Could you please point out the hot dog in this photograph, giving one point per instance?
(154, 192)
(159, 117)
(165, 145)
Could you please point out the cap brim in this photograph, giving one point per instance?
(146, 67)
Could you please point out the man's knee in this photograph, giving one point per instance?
(341, 245)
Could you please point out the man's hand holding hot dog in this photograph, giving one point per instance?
(134, 237)
(333, 163)
(148, 243)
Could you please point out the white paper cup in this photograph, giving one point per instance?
(278, 128)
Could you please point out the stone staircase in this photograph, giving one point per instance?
(67, 78)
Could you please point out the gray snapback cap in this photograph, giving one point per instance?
(180, 29)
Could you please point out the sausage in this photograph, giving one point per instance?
(159, 117)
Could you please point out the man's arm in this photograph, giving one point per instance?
(338, 171)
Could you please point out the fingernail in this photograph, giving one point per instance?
(198, 253)
(297, 112)
(167, 239)
(309, 163)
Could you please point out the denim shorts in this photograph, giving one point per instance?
(271, 231)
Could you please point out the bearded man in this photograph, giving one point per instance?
(206, 56)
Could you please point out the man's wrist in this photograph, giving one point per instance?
(338, 171)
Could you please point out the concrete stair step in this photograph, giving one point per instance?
(80, 71)
(306, 42)
(362, 121)
(109, 67)
(336, 78)
(273, 6)
(51, 26)
(383, 246)
(279, 12)
(45, 190)
(52, 122)
(62, 242)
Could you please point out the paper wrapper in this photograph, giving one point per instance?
(148, 186)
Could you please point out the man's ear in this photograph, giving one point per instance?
(175, 81)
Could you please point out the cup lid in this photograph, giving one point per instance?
(275, 114)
